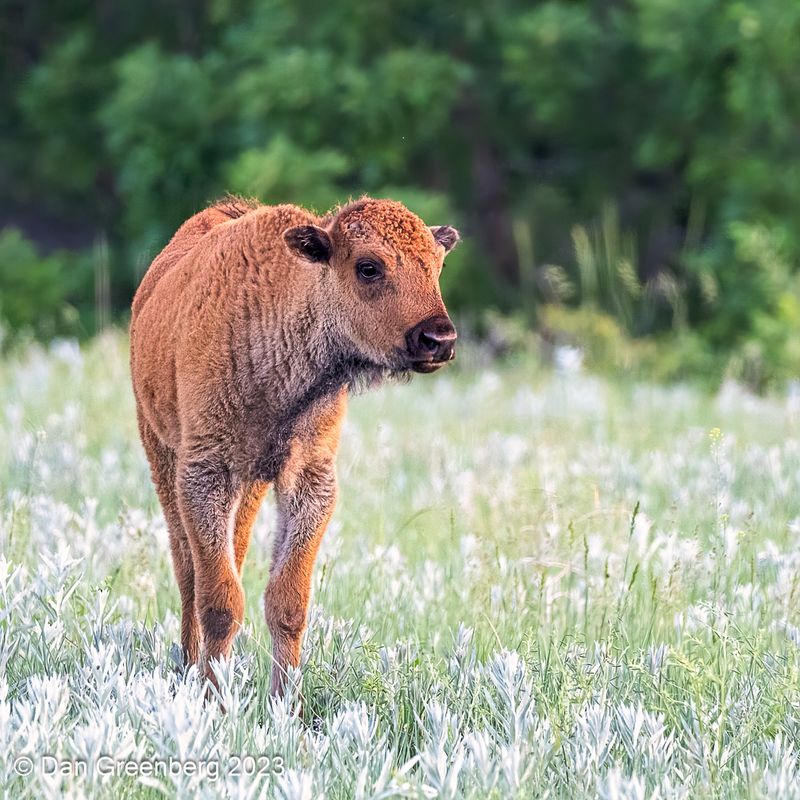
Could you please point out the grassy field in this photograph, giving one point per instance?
(536, 584)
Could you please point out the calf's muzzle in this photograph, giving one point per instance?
(431, 343)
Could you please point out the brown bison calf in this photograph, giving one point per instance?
(248, 330)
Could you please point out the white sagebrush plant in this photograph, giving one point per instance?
(534, 586)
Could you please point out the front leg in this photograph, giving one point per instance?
(208, 498)
(306, 496)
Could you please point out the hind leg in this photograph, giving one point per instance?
(162, 467)
(246, 513)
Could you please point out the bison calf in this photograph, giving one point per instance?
(248, 330)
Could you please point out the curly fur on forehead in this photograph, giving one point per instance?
(389, 220)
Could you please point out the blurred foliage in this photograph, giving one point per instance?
(37, 291)
(636, 159)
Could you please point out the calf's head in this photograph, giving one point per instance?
(380, 269)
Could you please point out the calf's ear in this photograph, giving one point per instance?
(445, 235)
(309, 242)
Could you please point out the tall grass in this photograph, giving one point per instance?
(535, 585)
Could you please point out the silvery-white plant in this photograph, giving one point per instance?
(489, 619)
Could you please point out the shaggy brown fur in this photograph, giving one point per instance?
(248, 330)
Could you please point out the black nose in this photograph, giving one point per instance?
(433, 339)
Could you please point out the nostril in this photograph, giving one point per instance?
(429, 341)
(432, 339)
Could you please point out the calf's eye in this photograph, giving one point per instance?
(369, 270)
